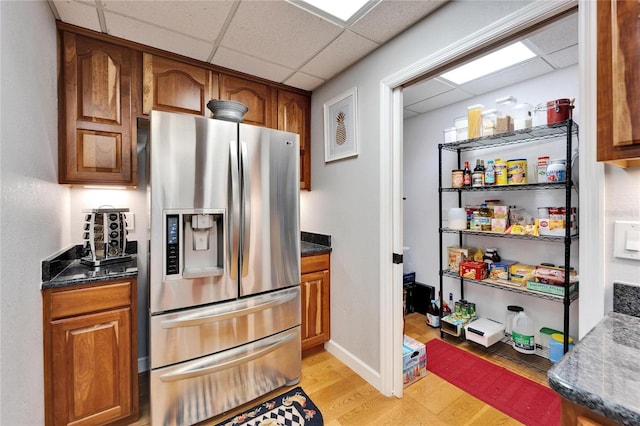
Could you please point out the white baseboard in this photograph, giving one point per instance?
(366, 372)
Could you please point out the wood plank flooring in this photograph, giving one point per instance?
(346, 399)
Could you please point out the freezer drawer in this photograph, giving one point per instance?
(193, 391)
(192, 333)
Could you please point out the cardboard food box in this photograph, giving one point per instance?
(484, 331)
(473, 269)
(500, 212)
(555, 225)
(498, 225)
(520, 272)
(414, 360)
(454, 324)
(553, 275)
(500, 270)
(457, 254)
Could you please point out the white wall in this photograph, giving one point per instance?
(421, 137)
(622, 196)
(345, 197)
(34, 214)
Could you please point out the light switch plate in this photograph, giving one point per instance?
(626, 240)
(130, 218)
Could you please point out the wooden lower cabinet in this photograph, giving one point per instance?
(316, 286)
(577, 415)
(90, 354)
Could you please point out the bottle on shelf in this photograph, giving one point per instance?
(433, 314)
(485, 214)
(466, 174)
(490, 174)
(477, 177)
(446, 307)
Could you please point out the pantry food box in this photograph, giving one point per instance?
(414, 360)
(456, 254)
(473, 269)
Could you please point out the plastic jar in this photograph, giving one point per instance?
(489, 118)
(522, 116)
(512, 311)
(523, 334)
(556, 170)
(517, 171)
(457, 218)
(457, 180)
(556, 346)
(541, 170)
(501, 172)
(474, 117)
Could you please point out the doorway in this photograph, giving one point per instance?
(534, 15)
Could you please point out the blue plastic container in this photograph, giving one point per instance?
(556, 346)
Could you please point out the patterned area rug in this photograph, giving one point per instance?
(293, 408)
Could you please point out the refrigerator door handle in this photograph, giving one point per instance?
(208, 366)
(246, 200)
(234, 209)
(213, 315)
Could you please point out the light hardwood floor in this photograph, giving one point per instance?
(344, 398)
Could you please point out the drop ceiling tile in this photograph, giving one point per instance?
(557, 36)
(73, 12)
(424, 90)
(563, 58)
(199, 19)
(244, 63)
(287, 35)
(342, 52)
(389, 18)
(512, 75)
(441, 100)
(304, 81)
(160, 38)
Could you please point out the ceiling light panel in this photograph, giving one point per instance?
(498, 60)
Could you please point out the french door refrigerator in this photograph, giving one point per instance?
(224, 270)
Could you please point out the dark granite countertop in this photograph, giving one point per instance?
(312, 244)
(64, 269)
(602, 372)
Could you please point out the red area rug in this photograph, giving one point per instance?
(523, 399)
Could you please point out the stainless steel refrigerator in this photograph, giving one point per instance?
(224, 270)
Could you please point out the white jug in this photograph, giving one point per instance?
(523, 334)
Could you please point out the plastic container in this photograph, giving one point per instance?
(523, 334)
(556, 346)
(517, 171)
(501, 172)
(556, 170)
(457, 218)
(522, 116)
(489, 120)
(474, 117)
(505, 107)
(450, 135)
(541, 169)
(512, 311)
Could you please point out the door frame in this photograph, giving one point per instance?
(391, 148)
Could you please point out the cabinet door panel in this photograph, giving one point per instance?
(618, 69)
(97, 109)
(256, 96)
(175, 86)
(92, 367)
(294, 111)
(315, 308)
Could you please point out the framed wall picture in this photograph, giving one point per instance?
(340, 127)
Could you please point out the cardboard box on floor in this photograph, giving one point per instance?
(414, 360)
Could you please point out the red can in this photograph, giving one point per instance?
(559, 110)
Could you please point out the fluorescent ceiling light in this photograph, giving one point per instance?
(341, 9)
(496, 61)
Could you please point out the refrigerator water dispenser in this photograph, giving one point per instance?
(194, 243)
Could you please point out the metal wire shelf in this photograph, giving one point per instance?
(547, 238)
(545, 131)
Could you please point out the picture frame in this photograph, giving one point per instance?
(340, 126)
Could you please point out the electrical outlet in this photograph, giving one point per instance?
(130, 219)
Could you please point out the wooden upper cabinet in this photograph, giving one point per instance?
(97, 140)
(294, 111)
(170, 85)
(619, 82)
(259, 98)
